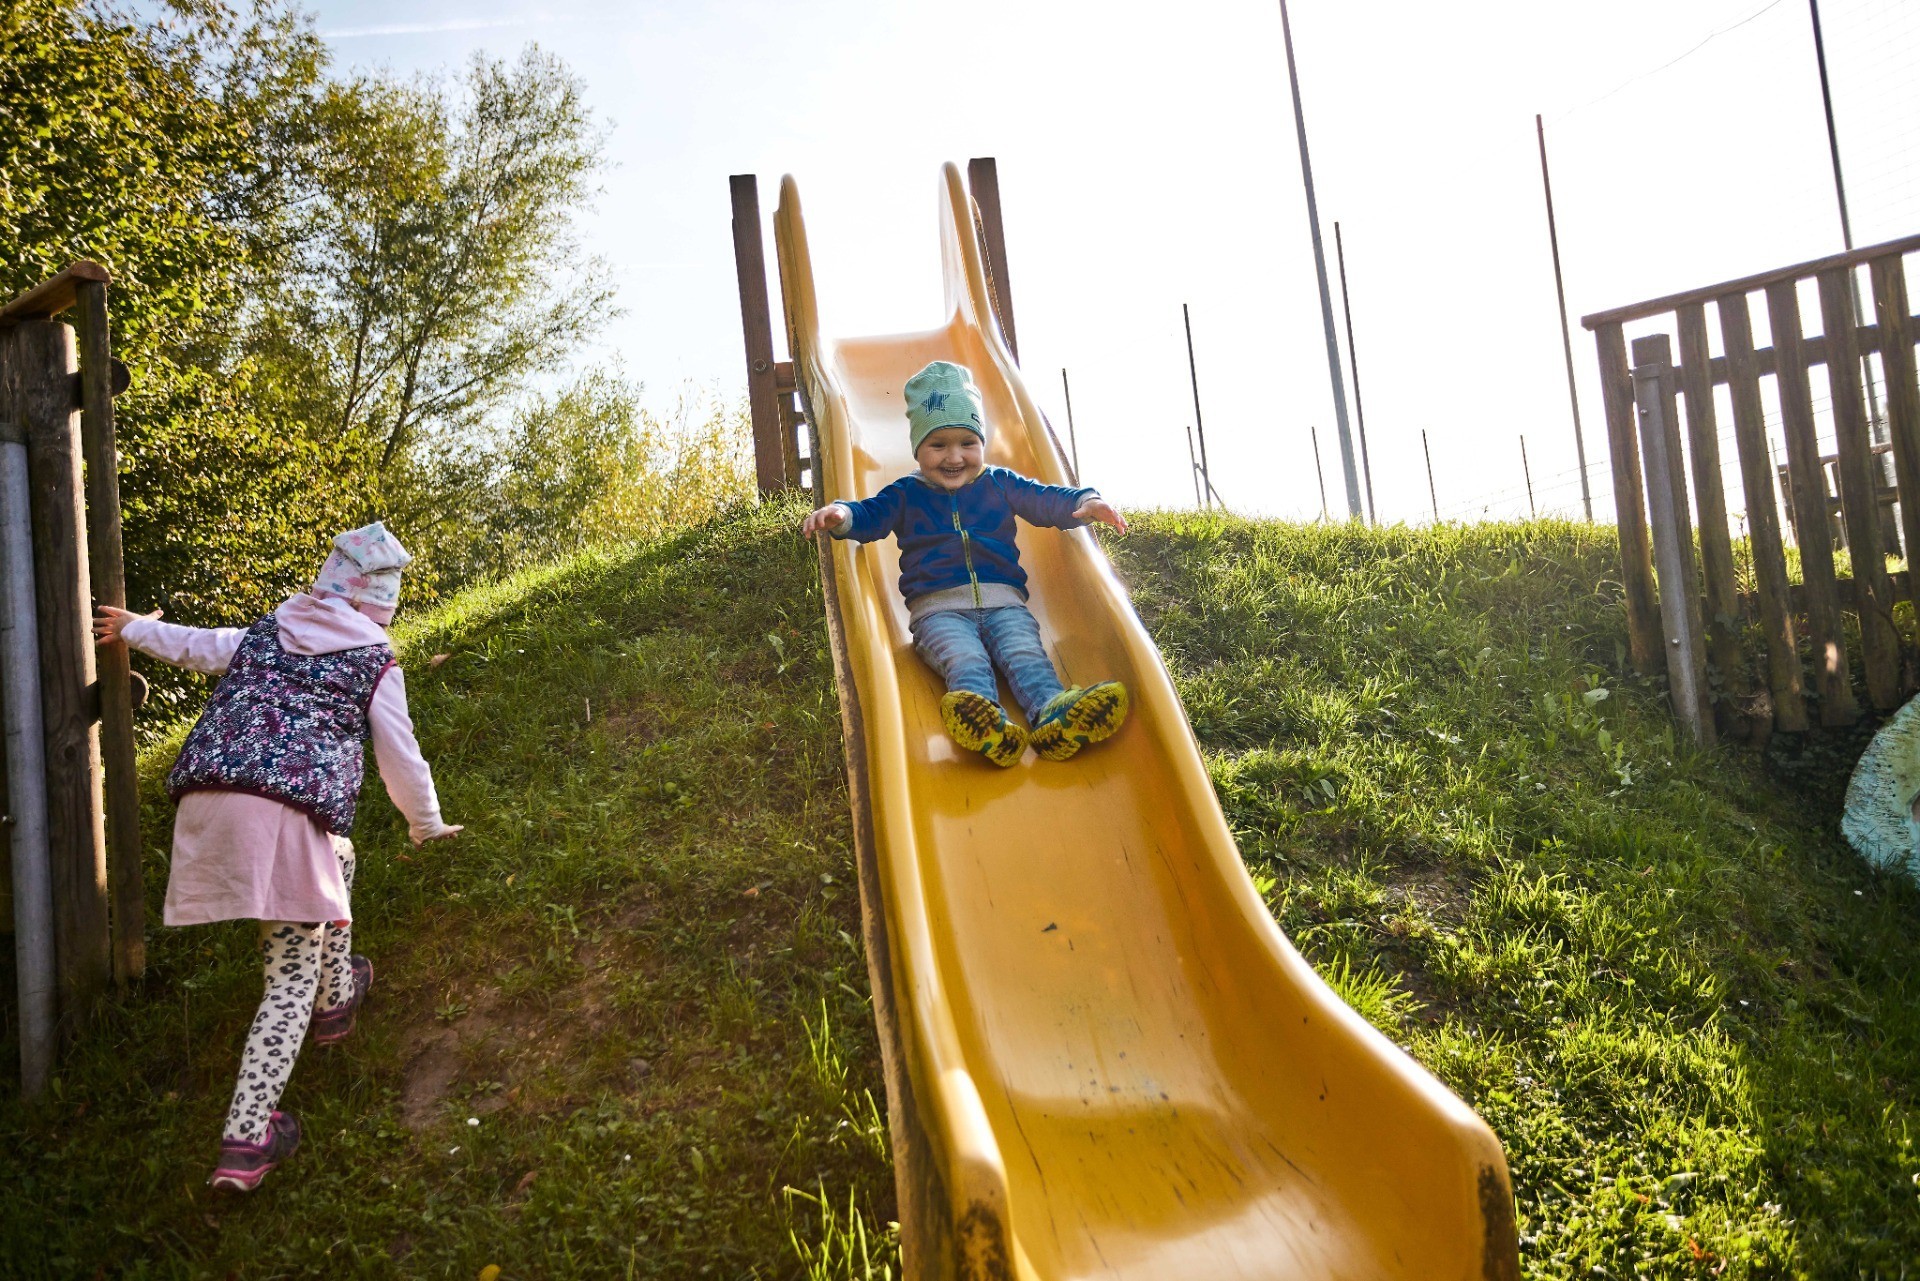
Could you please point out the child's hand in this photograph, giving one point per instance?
(1098, 508)
(826, 518)
(109, 622)
(446, 833)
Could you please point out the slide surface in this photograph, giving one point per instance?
(1120, 1066)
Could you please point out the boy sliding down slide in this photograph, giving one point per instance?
(960, 573)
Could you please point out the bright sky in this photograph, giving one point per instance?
(1147, 158)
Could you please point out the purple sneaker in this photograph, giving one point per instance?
(243, 1165)
(329, 1026)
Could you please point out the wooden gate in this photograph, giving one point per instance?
(1867, 369)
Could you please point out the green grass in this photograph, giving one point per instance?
(1687, 1010)
(638, 970)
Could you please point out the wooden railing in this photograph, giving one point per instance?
(1700, 638)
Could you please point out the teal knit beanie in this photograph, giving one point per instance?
(943, 395)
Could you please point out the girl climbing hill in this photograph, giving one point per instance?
(266, 785)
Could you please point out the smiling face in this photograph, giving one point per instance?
(951, 457)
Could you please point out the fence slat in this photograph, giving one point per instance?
(1903, 400)
(1680, 624)
(1859, 498)
(1824, 629)
(40, 367)
(1636, 559)
(1710, 504)
(1784, 679)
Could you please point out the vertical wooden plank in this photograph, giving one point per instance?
(756, 322)
(1824, 631)
(1903, 400)
(1784, 678)
(42, 367)
(983, 180)
(1873, 590)
(1680, 623)
(1710, 503)
(125, 885)
(1636, 561)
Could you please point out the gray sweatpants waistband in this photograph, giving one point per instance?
(991, 596)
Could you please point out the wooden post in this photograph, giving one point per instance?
(39, 374)
(1784, 678)
(1636, 559)
(756, 321)
(1903, 400)
(1710, 503)
(125, 884)
(1859, 491)
(1824, 630)
(983, 180)
(1680, 628)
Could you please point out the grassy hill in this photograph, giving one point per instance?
(627, 1012)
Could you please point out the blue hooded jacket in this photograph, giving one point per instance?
(949, 538)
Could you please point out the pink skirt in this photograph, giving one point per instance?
(243, 857)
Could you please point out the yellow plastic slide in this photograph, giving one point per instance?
(1110, 1060)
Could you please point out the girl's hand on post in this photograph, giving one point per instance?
(1098, 508)
(109, 622)
(825, 519)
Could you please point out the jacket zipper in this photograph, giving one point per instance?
(966, 550)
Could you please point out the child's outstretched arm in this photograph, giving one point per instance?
(403, 770)
(1058, 506)
(198, 649)
(863, 521)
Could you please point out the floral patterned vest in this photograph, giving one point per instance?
(286, 726)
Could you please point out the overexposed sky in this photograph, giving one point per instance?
(1147, 158)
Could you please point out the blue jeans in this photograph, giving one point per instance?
(965, 646)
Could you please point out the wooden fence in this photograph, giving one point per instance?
(75, 887)
(1693, 610)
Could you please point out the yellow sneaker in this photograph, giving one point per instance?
(979, 725)
(1077, 718)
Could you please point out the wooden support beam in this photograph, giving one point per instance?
(1824, 627)
(756, 323)
(1767, 280)
(37, 363)
(1636, 557)
(51, 297)
(1784, 679)
(115, 696)
(983, 180)
(1879, 642)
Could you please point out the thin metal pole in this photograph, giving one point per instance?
(1833, 137)
(1532, 512)
(1879, 432)
(1193, 470)
(1433, 495)
(1318, 471)
(26, 772)
(1320, 268)
(1073, 441)
(1566, 334)
(1193, 373)
(1353, 359)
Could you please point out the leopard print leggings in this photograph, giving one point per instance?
(307, 969)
